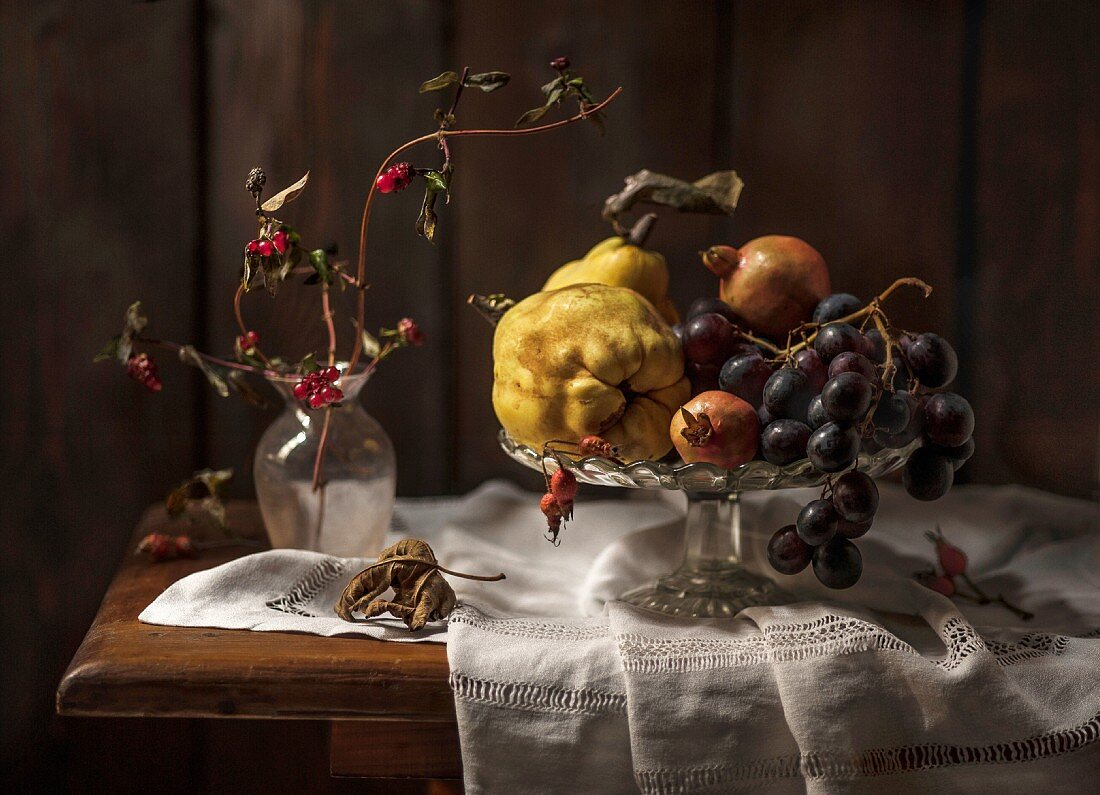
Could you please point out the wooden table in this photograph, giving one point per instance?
(390, 708)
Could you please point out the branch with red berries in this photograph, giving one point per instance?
(952, 568)
(561, 486)
(278, 252)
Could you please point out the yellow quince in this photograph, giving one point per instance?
(588, 359)
(619, 263)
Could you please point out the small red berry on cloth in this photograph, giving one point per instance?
(952, 559)
(143, 369)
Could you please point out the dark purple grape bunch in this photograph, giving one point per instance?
(825, 530)
(835, 393)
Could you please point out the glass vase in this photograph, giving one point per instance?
(349, 513)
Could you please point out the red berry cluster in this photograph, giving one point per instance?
(265, 248)
(143, 369)
(557, 504)
(561, 63)
(395, 178)
(159, 546)
(317, 388)
(248, 341)
(409, 331)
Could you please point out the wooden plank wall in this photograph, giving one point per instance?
(957, 140)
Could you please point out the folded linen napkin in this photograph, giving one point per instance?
(559, 689)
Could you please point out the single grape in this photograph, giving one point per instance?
(787, 393)
(833, 447)
(956, 455)
(835, 306)
(784, 441)
(836, 338)
(788, 553)
(948, 419)
(933, 360)
(849, 362)
(927, 475)
(817, 522)
(855, 497)
(745, 377)
(816, 413)
(912, 429)
(848, 529)
(847, 397)
(874, 347)
(703, 377)
(810, 363)
(838, 564)
(893, 412)
(708, 339)
(706, 306)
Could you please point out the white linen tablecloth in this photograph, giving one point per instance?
(559, 688)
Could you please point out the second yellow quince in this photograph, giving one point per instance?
(618, 263)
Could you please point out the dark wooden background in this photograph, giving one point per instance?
(957, 141)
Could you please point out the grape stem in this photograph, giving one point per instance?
(872, 309)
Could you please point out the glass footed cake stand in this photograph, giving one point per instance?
(712, 580)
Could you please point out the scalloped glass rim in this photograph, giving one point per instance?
(701, 477)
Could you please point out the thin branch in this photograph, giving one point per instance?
(361, 270)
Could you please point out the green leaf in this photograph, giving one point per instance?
(285, 196)
(247, 392)
(371, 345)
(439, 82)
(436, 182)
(425, 224)
(308, 364)
(488, 81)
(532, 115)
(214, 374)
(553, 85)
(110, 350)
(318, 258)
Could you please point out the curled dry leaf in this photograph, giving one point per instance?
(286, 195)
(714, 194)
(410, 568)
(201, 491)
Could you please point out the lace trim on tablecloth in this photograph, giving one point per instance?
(962, 641)
(874, 761)
(537, 698)
(528, 627)
(305, 590)
(827, 636)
